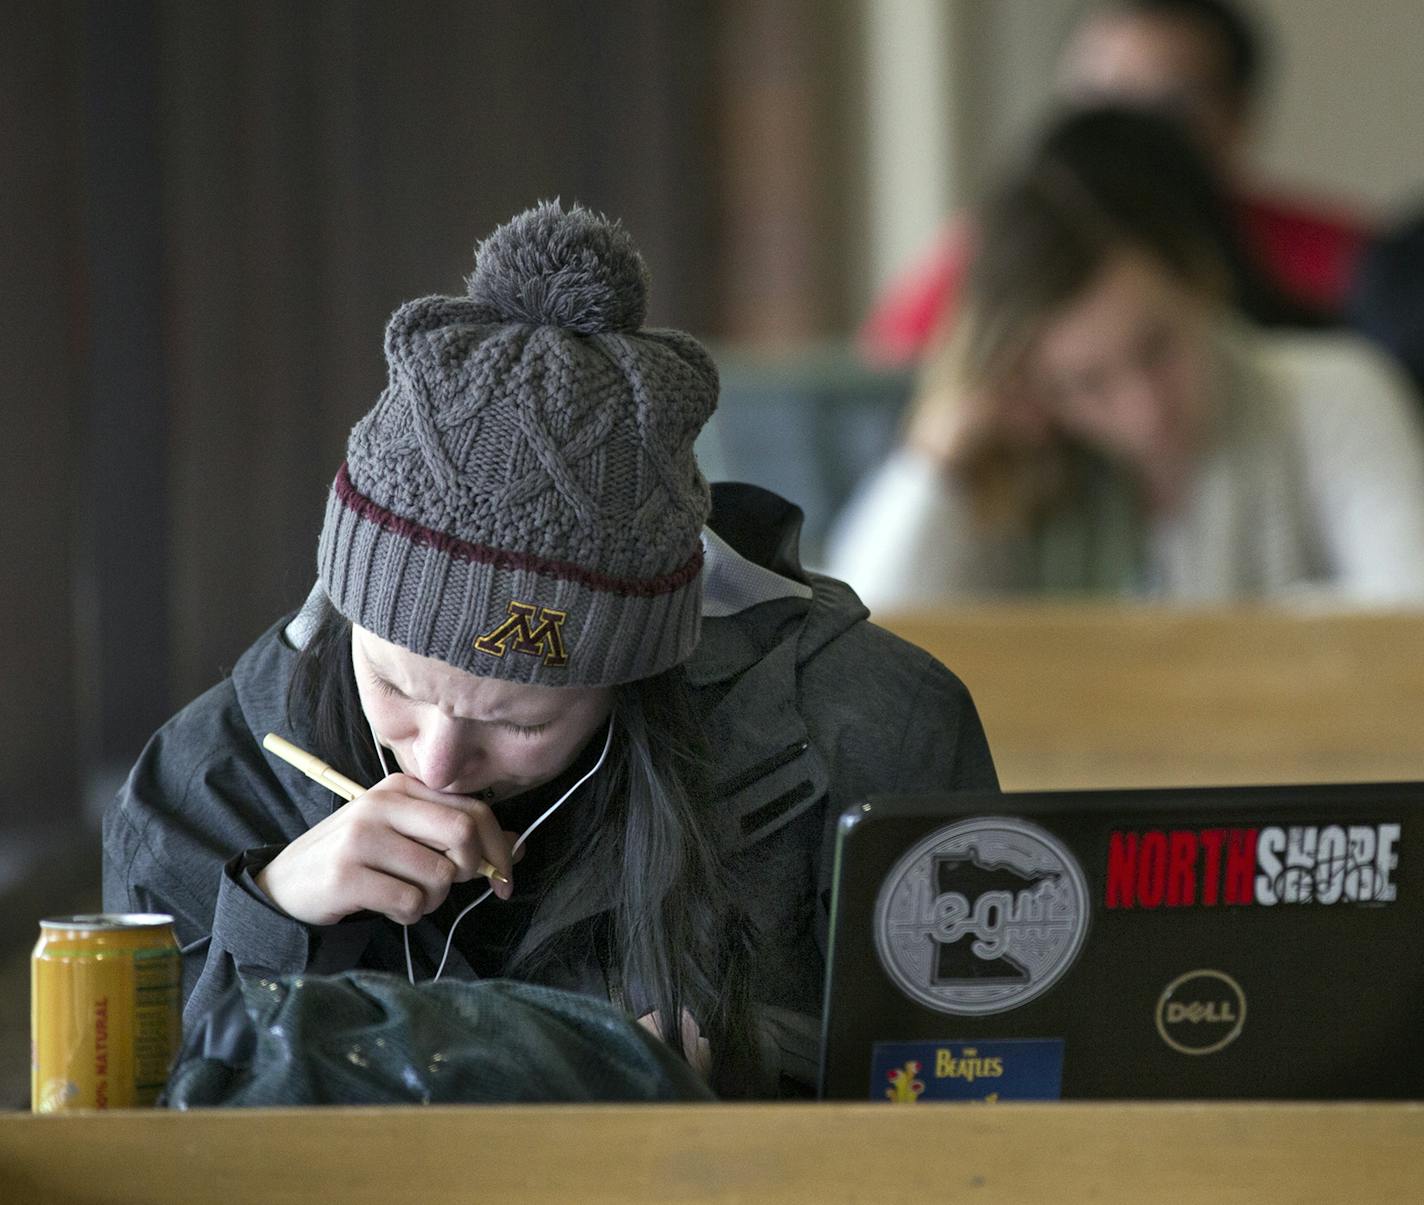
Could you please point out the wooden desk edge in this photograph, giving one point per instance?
(1217, 1152)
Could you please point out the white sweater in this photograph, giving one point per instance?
(1313, 485)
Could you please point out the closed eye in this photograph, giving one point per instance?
(524, 730)
(385, 687)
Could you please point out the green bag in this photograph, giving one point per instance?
(366, 1037)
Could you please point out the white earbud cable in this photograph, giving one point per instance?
(489, 891)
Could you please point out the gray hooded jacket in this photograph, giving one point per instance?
(807, 706)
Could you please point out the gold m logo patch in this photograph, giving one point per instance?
(519, 632)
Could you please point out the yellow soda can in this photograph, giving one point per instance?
(105, 1011)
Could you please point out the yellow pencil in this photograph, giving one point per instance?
(317, 770)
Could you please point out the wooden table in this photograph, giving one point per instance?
(1071, 696)
(1112, 696)
(1182, 1153)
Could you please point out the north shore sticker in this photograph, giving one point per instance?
(1268, 866)
(981, 916)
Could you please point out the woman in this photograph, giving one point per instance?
(521, 605)
(1100, 419)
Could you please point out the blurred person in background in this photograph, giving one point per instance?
(1202, 61)
(1387, 303)
(1099, 418)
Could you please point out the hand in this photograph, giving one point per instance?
(396, 850)
(695, 1048)
(955, 427)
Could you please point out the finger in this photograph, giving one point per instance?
(695, 1048)
(488, 840)
(516, 854)
(392, 854)
(376, 891)
(467, 836)
(701, 1059)
(691, 1031)
(490, 871)
(499, 883)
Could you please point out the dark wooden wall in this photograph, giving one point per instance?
(317, 176)
(41, 340)
(210, 210)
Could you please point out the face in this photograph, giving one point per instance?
(1162, 61)
(1125, 367)
(467, 735)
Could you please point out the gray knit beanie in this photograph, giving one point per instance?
(523, 502)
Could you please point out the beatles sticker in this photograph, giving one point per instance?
(1001, 1069)
(981, 916)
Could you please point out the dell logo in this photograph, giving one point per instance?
(1201, 1012)
(1212, 1012)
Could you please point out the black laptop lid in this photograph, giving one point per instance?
(1195, 943)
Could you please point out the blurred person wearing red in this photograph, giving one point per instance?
(1200, 60)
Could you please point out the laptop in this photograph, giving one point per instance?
(1259, 942)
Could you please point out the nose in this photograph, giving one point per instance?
(444, 751)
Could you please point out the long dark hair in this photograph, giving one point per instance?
(672, 936)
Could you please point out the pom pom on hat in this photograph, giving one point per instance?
(574, 270)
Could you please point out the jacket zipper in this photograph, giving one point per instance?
(738, 781)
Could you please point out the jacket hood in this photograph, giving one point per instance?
(761, 529)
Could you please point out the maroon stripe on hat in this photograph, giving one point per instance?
(371, 511)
